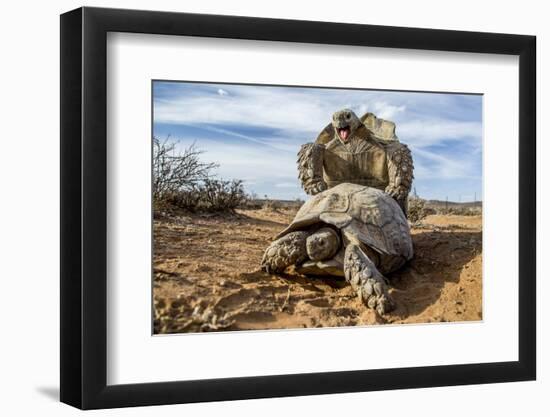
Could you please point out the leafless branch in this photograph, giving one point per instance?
(177, 171)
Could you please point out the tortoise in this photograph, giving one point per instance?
(350, 230)
(362, 151)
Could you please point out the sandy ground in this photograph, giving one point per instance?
(207, 277)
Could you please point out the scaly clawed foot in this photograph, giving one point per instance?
(285, 251)
(369, 284)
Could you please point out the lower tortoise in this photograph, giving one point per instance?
(350, 230)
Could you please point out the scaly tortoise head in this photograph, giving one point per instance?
(345, 123)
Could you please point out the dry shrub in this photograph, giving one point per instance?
(211, 195)
(271, 205)
(428, 211)
(174, 171)
(221, 195)
(252, 204)
(417, 209)
(182, 181)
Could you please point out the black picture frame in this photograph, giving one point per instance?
(84, 207)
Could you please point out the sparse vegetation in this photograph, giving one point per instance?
(271, 204)
(210, 195)
(461, 211)
(182, 181)
(417, 209)
(175, 171)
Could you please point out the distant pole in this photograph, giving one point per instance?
(446, 203)
(475, 196)
(460, 198)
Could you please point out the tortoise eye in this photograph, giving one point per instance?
(348, 115)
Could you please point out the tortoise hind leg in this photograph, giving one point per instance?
(285, 251)
(369, 284)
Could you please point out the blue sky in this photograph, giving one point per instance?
(254, 132)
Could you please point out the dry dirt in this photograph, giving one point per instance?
(207, 277)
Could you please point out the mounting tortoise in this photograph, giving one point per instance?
(363, 151)
(350, 230)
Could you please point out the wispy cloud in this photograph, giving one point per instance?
(254, 132)
(441, 166)
(385, 110)
(432, 131)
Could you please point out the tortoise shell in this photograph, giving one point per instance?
(362, 214)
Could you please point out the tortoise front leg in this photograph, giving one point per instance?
(369, 284)
(285, 251)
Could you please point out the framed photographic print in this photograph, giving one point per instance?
(257, 207)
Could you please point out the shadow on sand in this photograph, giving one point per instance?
(440, 258)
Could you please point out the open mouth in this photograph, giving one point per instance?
(344, 132)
